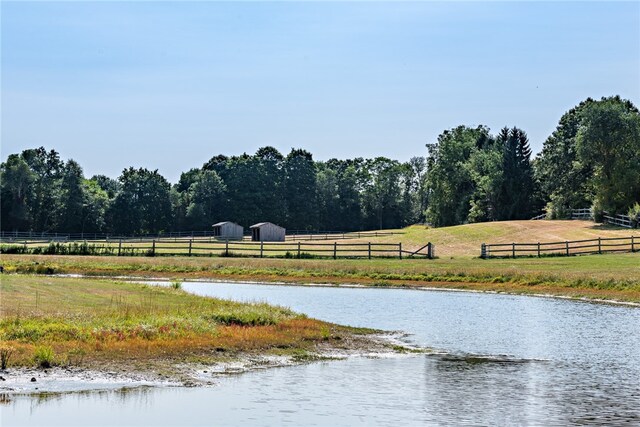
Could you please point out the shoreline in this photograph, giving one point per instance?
(355, 285)
(18, 381)
(602, 278)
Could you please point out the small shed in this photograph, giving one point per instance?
(228, 230)
(267, 232)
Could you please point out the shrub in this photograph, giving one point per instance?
(13, 249)
(5, 354)
(556, 210)
(44, 357)
(176, 284)
(597, 211)
(634, 214)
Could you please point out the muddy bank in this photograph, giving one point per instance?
(175, 373)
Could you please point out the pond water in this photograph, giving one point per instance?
(544, 361)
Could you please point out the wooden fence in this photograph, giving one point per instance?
(228, 248)
(21, 236)
(575, 247)
(337, 235)
(617, 219)
(584, 213)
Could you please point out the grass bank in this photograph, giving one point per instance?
(113, 326)
(611, 276)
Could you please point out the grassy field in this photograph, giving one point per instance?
(465, 240)
(611, 276)
(49, 321)
(457, 241)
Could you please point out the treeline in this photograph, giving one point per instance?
(41, 192)
(592, 159)
(469, 175)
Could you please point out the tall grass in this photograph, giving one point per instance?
(44, 357)
(84, 321)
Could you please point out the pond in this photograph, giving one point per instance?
(501, 360)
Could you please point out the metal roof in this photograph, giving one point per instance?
(260, 224)
(223, 223)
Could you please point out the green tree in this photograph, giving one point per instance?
(207, 196)
(16, 191)
(328, 200)
(564, 177)
(382, 193)
(47, 168)
(95, 205)
(143, 205)
(608, 142)
(300, 190)
(517, 182)
(108, 185)
(485, 169)
(450, 185)
(71, 199)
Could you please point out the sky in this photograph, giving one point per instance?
(167, 85)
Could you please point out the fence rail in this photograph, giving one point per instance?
(19, 236)
(227, 248)
(619, 220)
(584, 213)
(566, 248)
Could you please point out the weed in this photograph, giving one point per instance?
(176, 284)
(5, 354)
(75, 356)
(44, 357)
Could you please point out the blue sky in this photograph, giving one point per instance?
(168, 85)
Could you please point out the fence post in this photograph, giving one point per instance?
(261, 247)
(298, 249)
(513, 249)
(119, 246)
(335, 250)
(429, 250)
(599, 245)
(400, 250)
(632, 248)
(538, 249)
(567, 246)
(369, 250)
(226, 247)
(153, 248)
(483, 250)
(190, 243)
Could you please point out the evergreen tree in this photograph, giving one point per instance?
(300, 187)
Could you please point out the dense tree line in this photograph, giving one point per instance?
(474, 176)
(592, 159)
(468, 175)
(40, 192)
